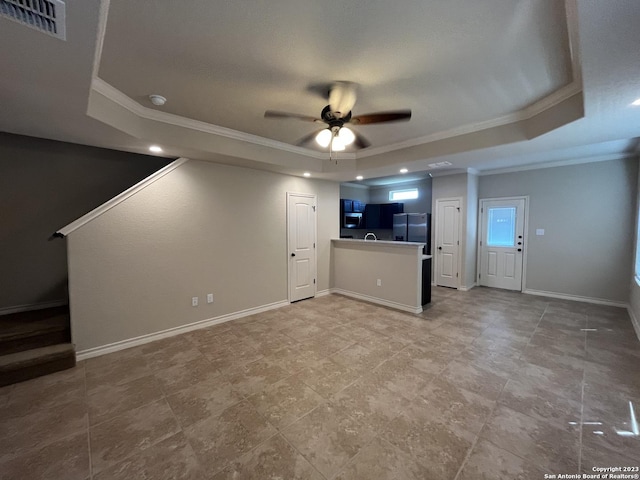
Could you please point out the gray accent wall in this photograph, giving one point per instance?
(464, 186)
(44, 185)
(588, 213)
(202, 228)
(422, 204)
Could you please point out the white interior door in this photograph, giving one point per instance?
(447, 248)
(502, 243)
(301, 242)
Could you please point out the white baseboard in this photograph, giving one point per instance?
(379, 301)
(323, 293)
(576, 298)
(171, 332)
(634, 321)
(466, 289)
(32, 306)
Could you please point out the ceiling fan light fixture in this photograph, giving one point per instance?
(324, 138)
(337, 145)
(346, 136)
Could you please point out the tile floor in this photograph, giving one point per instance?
(484, 384)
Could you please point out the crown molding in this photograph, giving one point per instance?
(105, 89)
(551, 100)
(559, 163)
(531, 111)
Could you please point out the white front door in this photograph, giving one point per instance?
(502, 243)
(301, 242)
(447, 248)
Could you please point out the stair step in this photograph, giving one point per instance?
(38, 328)
(21, 366)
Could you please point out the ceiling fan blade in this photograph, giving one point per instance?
(382, 117)
(304, 118)
(360, 141)
(342, 98)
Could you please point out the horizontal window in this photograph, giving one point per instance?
(407, 194)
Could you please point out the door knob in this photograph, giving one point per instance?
(519, 243)
(519, 249)
(293, 254)
(439, 248)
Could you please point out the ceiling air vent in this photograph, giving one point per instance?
(48, 16)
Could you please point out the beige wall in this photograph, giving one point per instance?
(357, 267)
(464, 186)
(45, 185)
(588, 214)
(203, 228)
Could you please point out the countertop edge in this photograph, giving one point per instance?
(379, 242)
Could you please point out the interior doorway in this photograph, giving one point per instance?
(447, 242)
(301, 245)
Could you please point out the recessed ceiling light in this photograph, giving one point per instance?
(306, 174)
(359, 177)
(636, 103)
(403, 170)
(155, 149)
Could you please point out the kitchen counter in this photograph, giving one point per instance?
(380, 271)
(379, 242)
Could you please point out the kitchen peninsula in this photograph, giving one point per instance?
(393, 274)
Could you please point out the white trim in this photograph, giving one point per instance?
(32, 306)
(379, 301)
(559, 163)
(116, 96)
(323, 293)
(172, 332)
(531, 111)
(576, 298)
(634, 321)
(96, 212)
(466, 289)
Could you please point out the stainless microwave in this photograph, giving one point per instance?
(352, 220)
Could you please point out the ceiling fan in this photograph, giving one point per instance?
(336, 136)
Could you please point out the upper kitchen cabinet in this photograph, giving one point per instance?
(379, 216)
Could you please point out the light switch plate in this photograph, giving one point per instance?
(539, 231)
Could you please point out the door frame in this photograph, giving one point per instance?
(315, 242)
(481, 228)
(435, 237)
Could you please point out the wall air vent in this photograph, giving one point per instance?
(48, 16)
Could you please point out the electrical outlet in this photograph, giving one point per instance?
(209, 297)
(379, 282)
(194, 301)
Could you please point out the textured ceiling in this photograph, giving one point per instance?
(225, 63)
(492, 84)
